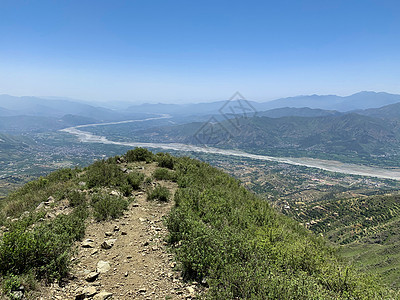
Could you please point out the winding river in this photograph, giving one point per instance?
(328, 165)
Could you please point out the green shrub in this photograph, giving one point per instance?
(45, 249)
(16, 251)
(63, 175)
(135, 179)
(72, 225)
(165, 160)
(130, 182)
(139, 154)
(126, 189)
(76, 198)
(147, 181)
(158, 193)
(113, 160)
(11, 283)
(101, 174)
(108, 207)
(164, 174)
(247, 250)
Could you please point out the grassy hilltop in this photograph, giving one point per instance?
(224, 236)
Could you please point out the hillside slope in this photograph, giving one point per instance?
(389, 112)
(222, 235)
(367, 228)
(296, 112)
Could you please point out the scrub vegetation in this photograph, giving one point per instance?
(222, 234)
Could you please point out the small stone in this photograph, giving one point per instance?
(40, 206)
(204, 282)
(145, 243)
(124, 233)
(89, 291)
(78, 296)
(103, 266)
(142, 290)
(107, 244)
(88, 243)
(154, 248)
(135, 205)
(126, 274)
(95, 251)
(102, 296)
(116, 228)
(17, 295)
(92, 276)
(142, 219)
(172, 265)
(190, 290)
(108, 233)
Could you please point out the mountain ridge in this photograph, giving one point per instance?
(227, 242)
(360, 100)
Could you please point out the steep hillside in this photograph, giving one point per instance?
(390, 112)
(367, 228)
(231, 243)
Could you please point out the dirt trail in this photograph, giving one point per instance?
(140, 267)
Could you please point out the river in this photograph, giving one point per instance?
(328, 165)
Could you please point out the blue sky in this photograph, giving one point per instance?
(185, 51)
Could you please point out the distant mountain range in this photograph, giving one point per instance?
(33, 114)
(33, 106)
(362, 100)
(296, 131)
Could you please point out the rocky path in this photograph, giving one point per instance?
(127, 258)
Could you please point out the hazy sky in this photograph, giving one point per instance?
(177, 51)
